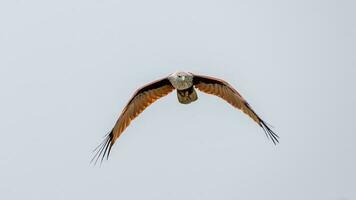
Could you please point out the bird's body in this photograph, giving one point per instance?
(185, 84)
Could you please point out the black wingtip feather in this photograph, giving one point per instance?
(269, 133)
(103, 149)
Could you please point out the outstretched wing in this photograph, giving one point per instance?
(141, 99)
(225, 91)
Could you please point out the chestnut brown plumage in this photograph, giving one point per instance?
(225, 91)
(184, 83)
(142, 98)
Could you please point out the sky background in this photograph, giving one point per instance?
(67, 68)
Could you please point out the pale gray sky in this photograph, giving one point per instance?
(67, 68)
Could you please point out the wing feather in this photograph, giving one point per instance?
(225, 91)
(141, 99)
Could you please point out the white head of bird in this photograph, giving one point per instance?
(181, 80)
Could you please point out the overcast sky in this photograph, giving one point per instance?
(67, 68)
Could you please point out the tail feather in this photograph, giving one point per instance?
(187, 96)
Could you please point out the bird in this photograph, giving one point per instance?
(185, 83)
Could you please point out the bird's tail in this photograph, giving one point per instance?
(187, 96)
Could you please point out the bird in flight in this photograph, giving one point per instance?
(185, 84)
